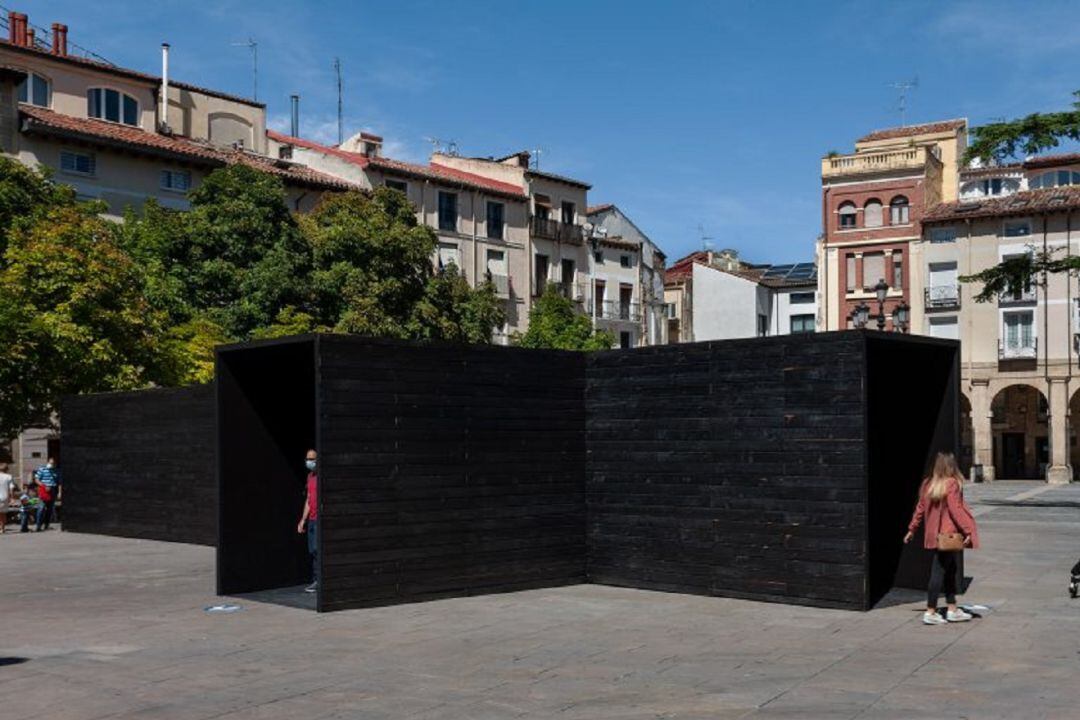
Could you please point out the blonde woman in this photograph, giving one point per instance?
(941, 504)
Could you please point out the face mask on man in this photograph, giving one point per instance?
(310, 464)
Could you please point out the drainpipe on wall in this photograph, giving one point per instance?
(164, 87)
(825, 253)
(475, 240)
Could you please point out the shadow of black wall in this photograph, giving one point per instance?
(730, 468)
(141, 464)
(913, 399)
(266, 423)
(448, 470)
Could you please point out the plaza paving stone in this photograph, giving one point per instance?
(98, 627)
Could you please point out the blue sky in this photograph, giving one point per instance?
(685, 114)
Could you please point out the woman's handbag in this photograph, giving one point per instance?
(950, 542)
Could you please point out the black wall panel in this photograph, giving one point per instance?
(141, 464)
(730, 468)
(448, 470)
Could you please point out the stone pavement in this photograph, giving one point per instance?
(96, 627)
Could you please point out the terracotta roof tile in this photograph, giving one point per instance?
(594, 209)
(909, 130)
(1021, 203)
(40, 120)
(1044, 161)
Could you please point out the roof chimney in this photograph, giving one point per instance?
(59, 39)
(164, 87)
(29, 37)
(294, 125)
(16, 28)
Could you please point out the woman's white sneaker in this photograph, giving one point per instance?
(933, 619)
(957, 615)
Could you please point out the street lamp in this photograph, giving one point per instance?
(901, 317)
(882, 289)
(860, 315)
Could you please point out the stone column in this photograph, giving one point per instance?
(982, 450)
(1059, 472)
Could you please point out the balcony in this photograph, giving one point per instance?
(614, 310)
(1018, 350)
(554, 230)
(943, 297)
(1021, 297)
(869, 163)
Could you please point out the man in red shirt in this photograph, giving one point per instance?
(310, 518)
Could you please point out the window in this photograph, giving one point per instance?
(945, 327)
(81, 163)
(851, 273)
(1054, 178)
(1019, 331)
(625, 340)
(112, 105)
(598, 256)
(567, 270)
(847, 216)
(898, 270)
(762, 325)
(1017, 228)
(898, 211)
(176, 180)
(672, 311)
(399, 185)
(448, 211)
(599, 289)
(801, 298)
(448, 255)
(35, 90)
(943, 235)
(495, 211)
(496, 271)
(541, 274)
(542, 206)
(802, 324)
(568, 213)
(873, 269)
(872, 213)
(626, 261)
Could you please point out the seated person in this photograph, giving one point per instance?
(29, 504)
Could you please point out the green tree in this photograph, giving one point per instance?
(450, 310)
(371, 262)
(1028, 135)
(24, 194)
(555, 324)
(73, 317)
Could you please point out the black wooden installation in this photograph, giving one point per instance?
(448, 470)
(141, 464)
(780, 469)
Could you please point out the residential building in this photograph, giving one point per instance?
(1019, 352)
(105, 131)
(108, 132)
(716, 296)
(624, 258)
(873, 201)
(481, 222)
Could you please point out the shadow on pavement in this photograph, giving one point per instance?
(293, 597)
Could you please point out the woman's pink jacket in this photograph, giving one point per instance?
(948, 516)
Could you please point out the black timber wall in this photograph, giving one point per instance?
(448, 471)
(266, 423)
(732, 468)
(141, 464)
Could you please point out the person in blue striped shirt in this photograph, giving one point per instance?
(47, 478)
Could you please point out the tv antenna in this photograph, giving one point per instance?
(903, 87)
(337, 71)
(254, 47)
(536, 153)
(705, 244)
(436, 144)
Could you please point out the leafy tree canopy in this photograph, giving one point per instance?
(554, 323)
(1029, 135)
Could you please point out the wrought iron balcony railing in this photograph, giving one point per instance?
(1018, 350)
(942, 296)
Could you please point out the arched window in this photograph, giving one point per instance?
(872, 213)
(35, 90)
(112, 105)
(1055, 178)
(847, 215)
(898, 211)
